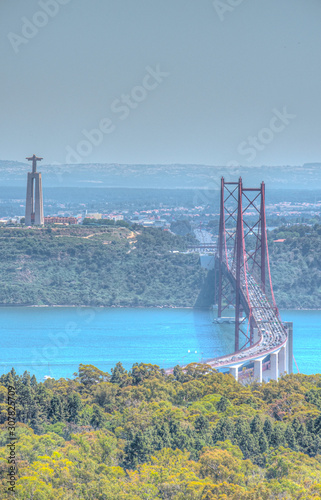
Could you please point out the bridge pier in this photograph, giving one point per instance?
(274, 357)
(258, 372)
(282, 359)
(234, 370)
(289, 345)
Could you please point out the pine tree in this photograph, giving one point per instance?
(224, 430)
(290, 438)
(296, 424)
(268, 429)
(98, 417)
(256, 425)
(74, 405)
(202, 424)
(164, 437)
(26, 379)
(55, 413)
(223, 404)
(139, 448)
(181, 438)
(119, 375)
(263, 442)
(277, 437)
(243, 437)
(316, 450)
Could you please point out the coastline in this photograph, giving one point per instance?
(133, 307)
(99, 307)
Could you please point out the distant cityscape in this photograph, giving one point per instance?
(149, 207)
(155, 216)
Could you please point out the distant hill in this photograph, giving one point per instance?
(14, 173)
(296, 266)
(108, 266)
(115, 266)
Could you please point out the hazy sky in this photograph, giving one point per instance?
(161, 81)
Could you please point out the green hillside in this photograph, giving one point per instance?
(123, 266)
(296, 266)
(107, 266)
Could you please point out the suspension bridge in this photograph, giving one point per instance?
(243, 282)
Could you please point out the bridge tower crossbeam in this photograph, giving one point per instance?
(242, 254)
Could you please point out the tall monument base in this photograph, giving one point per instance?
(34, 202)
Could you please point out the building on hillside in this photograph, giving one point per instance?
(161, 223)
(60, 220)
(93, 216)
(114, 217)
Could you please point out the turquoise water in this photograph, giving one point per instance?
(53, 341)
(306, 340)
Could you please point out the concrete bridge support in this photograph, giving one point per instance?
(274, 357)
(289, 327)
(234, 370)
(282, 359)
(258, 373)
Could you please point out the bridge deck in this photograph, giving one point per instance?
(271, 333)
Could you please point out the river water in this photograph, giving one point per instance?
(54, 340)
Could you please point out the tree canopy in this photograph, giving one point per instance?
(195, 434)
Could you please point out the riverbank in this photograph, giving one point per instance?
(100, 306)
(133, 307)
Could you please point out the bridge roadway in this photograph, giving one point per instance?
(270, 336)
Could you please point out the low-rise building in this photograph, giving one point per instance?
(60, 220)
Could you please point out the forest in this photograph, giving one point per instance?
(296, 266)
(194, 434)
(112, 265)
(131, 266)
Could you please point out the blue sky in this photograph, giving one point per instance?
(161, 81)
